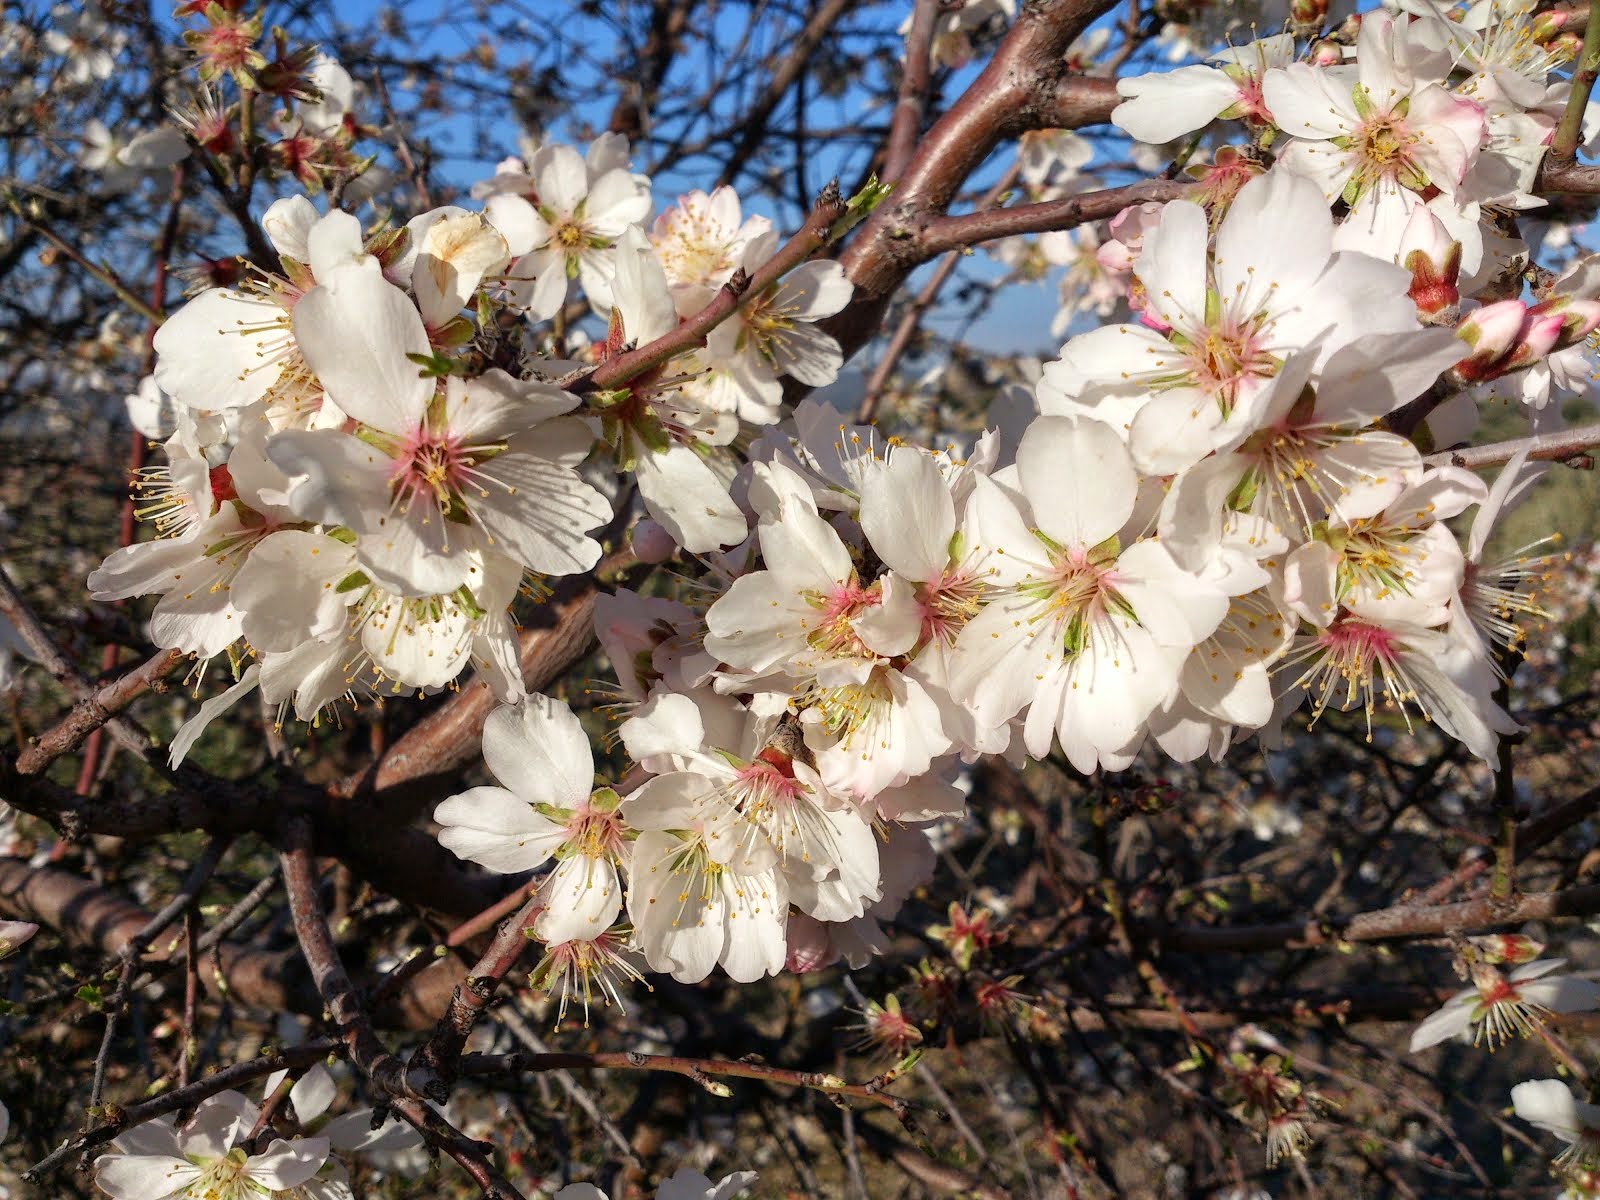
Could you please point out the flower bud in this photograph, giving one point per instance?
(1513, 948)
(1579, 316)
(1434, 259)
(652, 543)
(1306, 17)
(1127, 232)
(1492, 331)
(1325, 54)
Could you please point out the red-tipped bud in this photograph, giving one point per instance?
(1434, 259)
(1492, 332)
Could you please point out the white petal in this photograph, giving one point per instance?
(287, 1164)
(207, 352)
(337, 479)
(355, 331)
(1078, 478)
(908, 514)
(497, 830)
(1548, 1104)
(689, 499)
(312, 1094)
(1172, 265)
(123, 1177)
(539, 750)
(1165, 105)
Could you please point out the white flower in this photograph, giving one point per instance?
(230, 348)
(1549, 1104)
(430, 481)
(1359, 663)
(549, 808)
(203, 1161)
(730, 757)
(326, 115)
(701, 242)
(583, 208)
(775, 334)
(1500, 1005)
(1084, 631)
(1402, 564)
(704, 886)
(1501, 599)
(85, 41)
(1273, 287)
(1163, 106)
(1376, 134)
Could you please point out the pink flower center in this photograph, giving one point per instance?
(832, 633)
(431, 466)
(595, 833)
(1358, 645)
(946, 604)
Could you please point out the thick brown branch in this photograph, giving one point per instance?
(916, 80)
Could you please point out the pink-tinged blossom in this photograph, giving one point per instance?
(1163, 106)
(1228, 320)
(548, 808)
(1378, 133)
(1085, 631)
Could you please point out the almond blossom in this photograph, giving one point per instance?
(203, 1159)
(583, 206)
(1376, 134)
(548, 808)
(1499, 1006)
(1549, 1105)
(1163, 106)
(1088, 625)
(431, 479)
(1225, 321)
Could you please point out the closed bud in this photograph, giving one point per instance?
(1306, 17)
(652, 543)
(1579, 316)
(1493, 332)
(1325, 54)
(1512, 948)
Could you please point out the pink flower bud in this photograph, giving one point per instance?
(1325, 54)
(810, 947)
(1579, 316)
(1127, 230)
(1540, 335)
(1492, 331)
(652, 543)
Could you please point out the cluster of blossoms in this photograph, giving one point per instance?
(1207, 515)
(356, 486)
(231, 1148)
